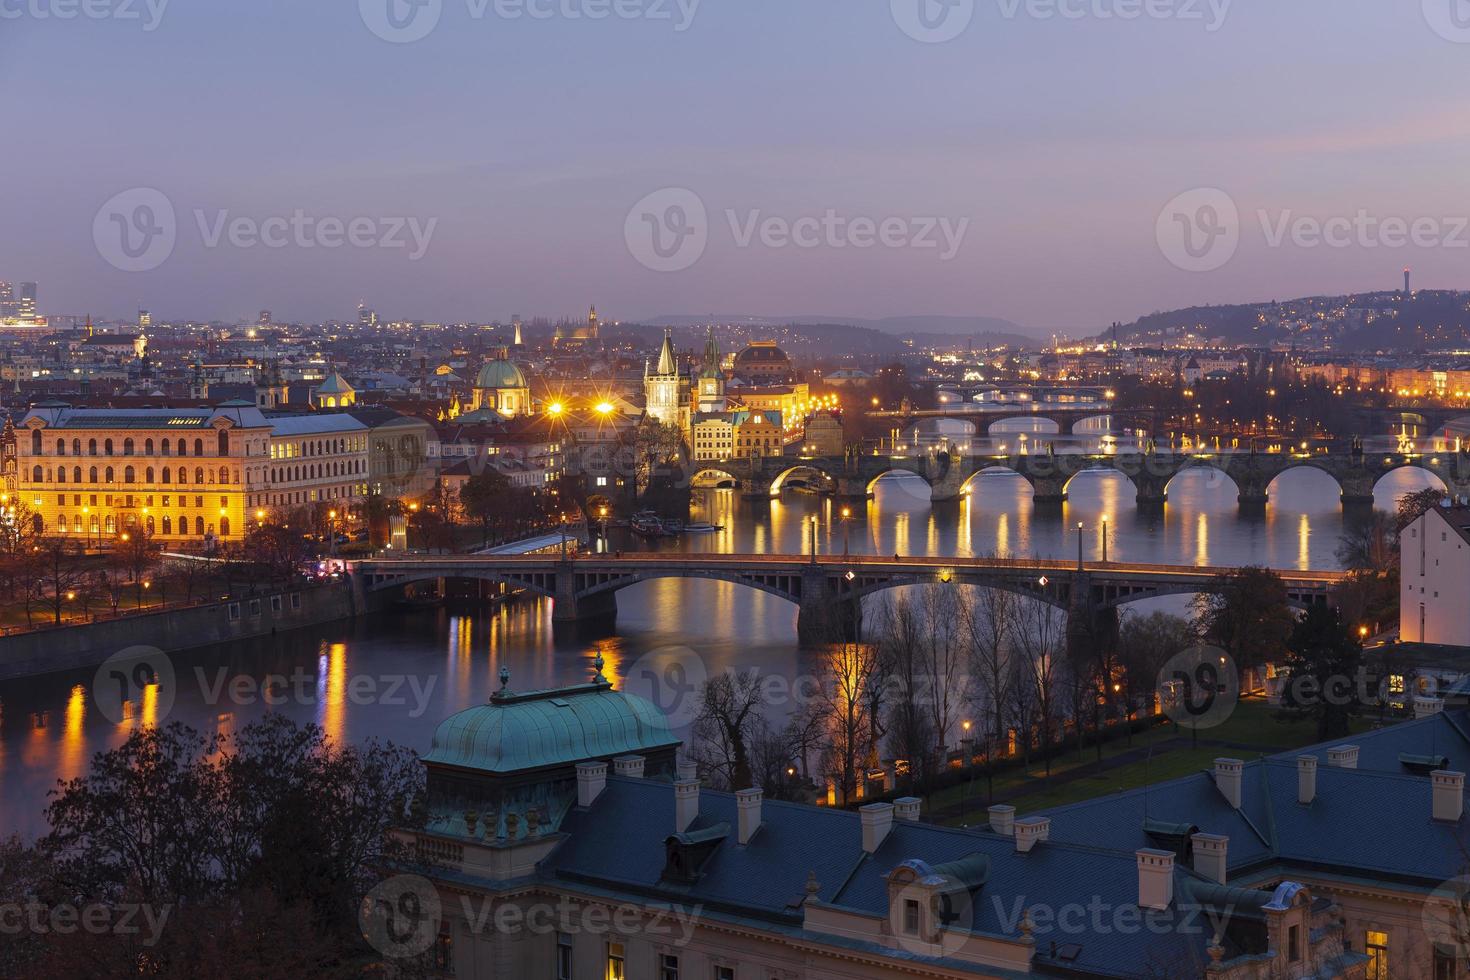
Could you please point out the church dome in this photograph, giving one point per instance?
(548, 729)
(500, 374)
(763, 360)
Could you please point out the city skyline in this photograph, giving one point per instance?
(1049, 139)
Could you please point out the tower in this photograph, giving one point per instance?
(26, 301)
(270, 390)
(1408, 276)
(711, 382)
(662, 387)
(515, 322)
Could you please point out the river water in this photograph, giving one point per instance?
(396, 676)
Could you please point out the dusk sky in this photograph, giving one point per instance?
(1059, 141)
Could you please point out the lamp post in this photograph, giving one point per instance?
(1105, 540)
(846, 528)
(331, 533)
(1080, 528)
(602, 513)
(814, 539)
(967, 745)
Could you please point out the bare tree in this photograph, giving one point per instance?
(726, 725)
(988, 623)
(849, 671)
(942, 656)
(1040, 642)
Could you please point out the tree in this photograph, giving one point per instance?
(1323, 673)
(1371, 545)
(658, 450)
(988, 623)
(135, 553)
(1145, 644)
(1413, 506)
(849, 676)
(61, 567)
(276, 549)
(729, 710)
(1039, 638)
(1247, 612)
(484, 497)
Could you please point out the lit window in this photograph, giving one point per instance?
(668, 967)
(1376, 947)
(615, 960)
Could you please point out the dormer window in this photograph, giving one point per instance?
(911, 911)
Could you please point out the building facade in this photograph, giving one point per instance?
(316, 459)
(93, 473)
(1434, 578)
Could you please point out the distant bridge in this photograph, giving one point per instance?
(949, 473)
(825, 589)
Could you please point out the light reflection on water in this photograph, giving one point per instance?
(443, 661)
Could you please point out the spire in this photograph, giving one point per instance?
(711, 356)
(667, 363)
(518, 333)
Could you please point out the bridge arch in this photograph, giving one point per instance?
(531, 582)
(781, 586)
(713, 477)
(789, 475)
(1434, 477)
(997, 469)
(898, 475)
(1005, 425)
(1216, 473)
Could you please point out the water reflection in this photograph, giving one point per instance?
(49, 727)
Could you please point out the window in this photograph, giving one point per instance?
(275, 603)
(1294, 944)
(1376, 946)
(910, 917)
(563, 957)
(444, 953)
(668, 967)
(724, 973)
(234, 612)
(1444, 964)
(615, 961)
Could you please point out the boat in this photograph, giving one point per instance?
(647, 524)
(702, 528)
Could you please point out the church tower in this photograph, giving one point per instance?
(710, 396)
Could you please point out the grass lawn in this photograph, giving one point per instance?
(1251, 732)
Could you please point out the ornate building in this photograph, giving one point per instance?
(502, 388)
(711, 381)
(583, 336)
(666, 389)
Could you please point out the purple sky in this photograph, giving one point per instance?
(528, 141)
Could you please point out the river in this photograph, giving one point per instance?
(396, 676)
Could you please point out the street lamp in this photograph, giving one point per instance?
(814, 539)
(602, 513)
(846, 530)
(1105, 540)
(331, 532)
(1080, 528)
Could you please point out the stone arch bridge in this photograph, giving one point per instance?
(826, 590)
(949, 473)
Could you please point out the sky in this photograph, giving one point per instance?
(1058, 163)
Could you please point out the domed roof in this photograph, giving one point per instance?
(762, 352)
(541, 729)
(500, 374)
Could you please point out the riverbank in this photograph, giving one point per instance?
(176, 629)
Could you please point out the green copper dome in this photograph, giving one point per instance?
(500, 374)
(545, 729)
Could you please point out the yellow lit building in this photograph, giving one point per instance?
(183, 474)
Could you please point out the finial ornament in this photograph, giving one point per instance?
(597, 664)
(813, 886)
(504, 683)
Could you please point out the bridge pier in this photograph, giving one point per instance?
(1049, 491)
(821, 618)
(852, 489)
(569, 609)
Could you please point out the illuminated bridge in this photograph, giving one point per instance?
(949, 473)
(827, 589)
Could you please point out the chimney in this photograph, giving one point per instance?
(591, 781)
(688, 770)
(1030, 832)
(630, 766)
(877, 822)
(1424, 707)
(686, 804)
(1003, 819)
(907, 808)
(1343, 757)
(1210, 851)
(1306, 779)
(748, 803)
(1449, 795)
(1228, 774)
(1155, 879)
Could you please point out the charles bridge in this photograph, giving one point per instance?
(949, 473)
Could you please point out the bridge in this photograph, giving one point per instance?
(949, 473)
(826, 590)
(983, 417)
